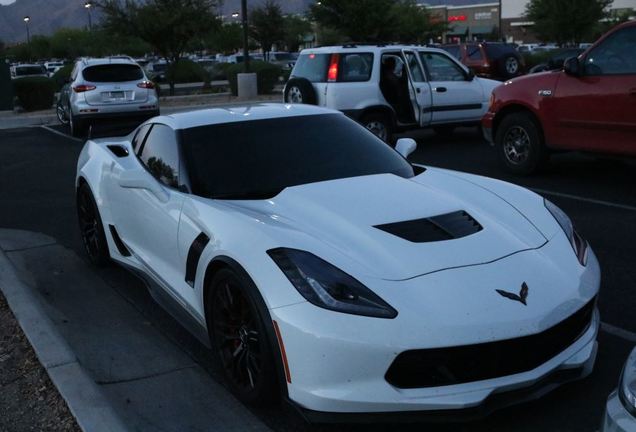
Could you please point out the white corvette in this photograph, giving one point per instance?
(321, 266)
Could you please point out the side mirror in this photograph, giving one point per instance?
(140, 179)
(405, 146)
(572, 67)
(471, 74)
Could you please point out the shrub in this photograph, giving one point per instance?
(536, 58)
(34, 93)
(187, 71)
(61, 76)
(266, 75)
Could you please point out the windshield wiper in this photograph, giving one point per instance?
(248, 195)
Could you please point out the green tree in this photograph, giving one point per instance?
(358, 20)
(566, 21)
(613, 18)
(267, 25)
(414, 24)
(227, 40)
(295, 30)
(169, 26)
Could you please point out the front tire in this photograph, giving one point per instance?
(240, 340)
(91, 227)
(520, 144)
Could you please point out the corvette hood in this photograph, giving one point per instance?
(345, 214)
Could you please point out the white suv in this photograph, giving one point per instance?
(391, 88)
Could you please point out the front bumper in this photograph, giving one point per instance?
(617, 418)
(487, 127)
(338, 362)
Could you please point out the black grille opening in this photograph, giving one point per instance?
(462, 364)
(436, 228)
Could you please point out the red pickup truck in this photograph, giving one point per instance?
(588, 106)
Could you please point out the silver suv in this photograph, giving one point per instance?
(391, 88)
(106, 88)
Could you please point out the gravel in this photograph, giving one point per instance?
(28, 399)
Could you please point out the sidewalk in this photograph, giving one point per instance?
(168, 104)
(114, 368)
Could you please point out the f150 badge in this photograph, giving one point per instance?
(545, 93)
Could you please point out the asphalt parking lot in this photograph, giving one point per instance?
(37, 168)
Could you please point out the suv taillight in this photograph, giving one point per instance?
(332, 74)
(83, 88)
(146, 85)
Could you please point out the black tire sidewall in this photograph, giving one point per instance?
(267, 390)
(77, 126)
(379, 117)
(306, 90)
(103, 259)
(504, 71)
(537, 150)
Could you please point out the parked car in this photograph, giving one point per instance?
(28, 70)
(285, 60)
(589, 106)
(620, 411)
(556, 60)
(157, 70)
(106, 88)
(323, 268)
(390, 88)
(489, 59)
(53, 66)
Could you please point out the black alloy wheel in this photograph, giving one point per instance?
(240, 339)
(91, 227)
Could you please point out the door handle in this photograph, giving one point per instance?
(418, 90)
(440, 89)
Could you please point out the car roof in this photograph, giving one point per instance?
(368, 48)
(106, 60)
(238, 113)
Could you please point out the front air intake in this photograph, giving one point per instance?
(436, 228)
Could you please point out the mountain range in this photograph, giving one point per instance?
(46, 16)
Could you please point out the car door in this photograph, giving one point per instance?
(148, 220)
(419, 88)
(456, 96)
(596, 111)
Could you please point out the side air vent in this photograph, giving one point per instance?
(121, 247)
(119, 151)
(436, 228)
(194, 254)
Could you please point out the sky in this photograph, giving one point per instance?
(6, 2)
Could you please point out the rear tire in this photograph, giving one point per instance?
(240, 340)
(300, 90)
(62, 113)
(520, 144)
(509, 67)
(91, 227)
(380, 125)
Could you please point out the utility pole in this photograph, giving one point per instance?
(88, 5)
(246, 53)
(501, 37)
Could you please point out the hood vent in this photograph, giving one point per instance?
(436, 228)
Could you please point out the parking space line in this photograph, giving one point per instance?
(573, 197)
(56, 132)
(619, 332)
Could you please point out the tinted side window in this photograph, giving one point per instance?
(414, 67)
(160, 154)
(356, 67)
(441, 67)
(473, 52)
(615, 55)
(312, 67)
(139, 137)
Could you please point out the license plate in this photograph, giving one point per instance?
(117, 95)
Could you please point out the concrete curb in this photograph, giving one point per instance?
(82, 395)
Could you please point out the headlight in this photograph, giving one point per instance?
(578, 243)
(627, 386)
(327, 286)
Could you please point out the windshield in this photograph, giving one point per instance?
(258, 159)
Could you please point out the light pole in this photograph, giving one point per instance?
(246, 56)
(88, 5)
(26, 23)
(500, 29)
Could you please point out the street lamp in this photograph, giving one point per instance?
(26, 23)
(246, 54)
(88, 5)
(235, 15)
